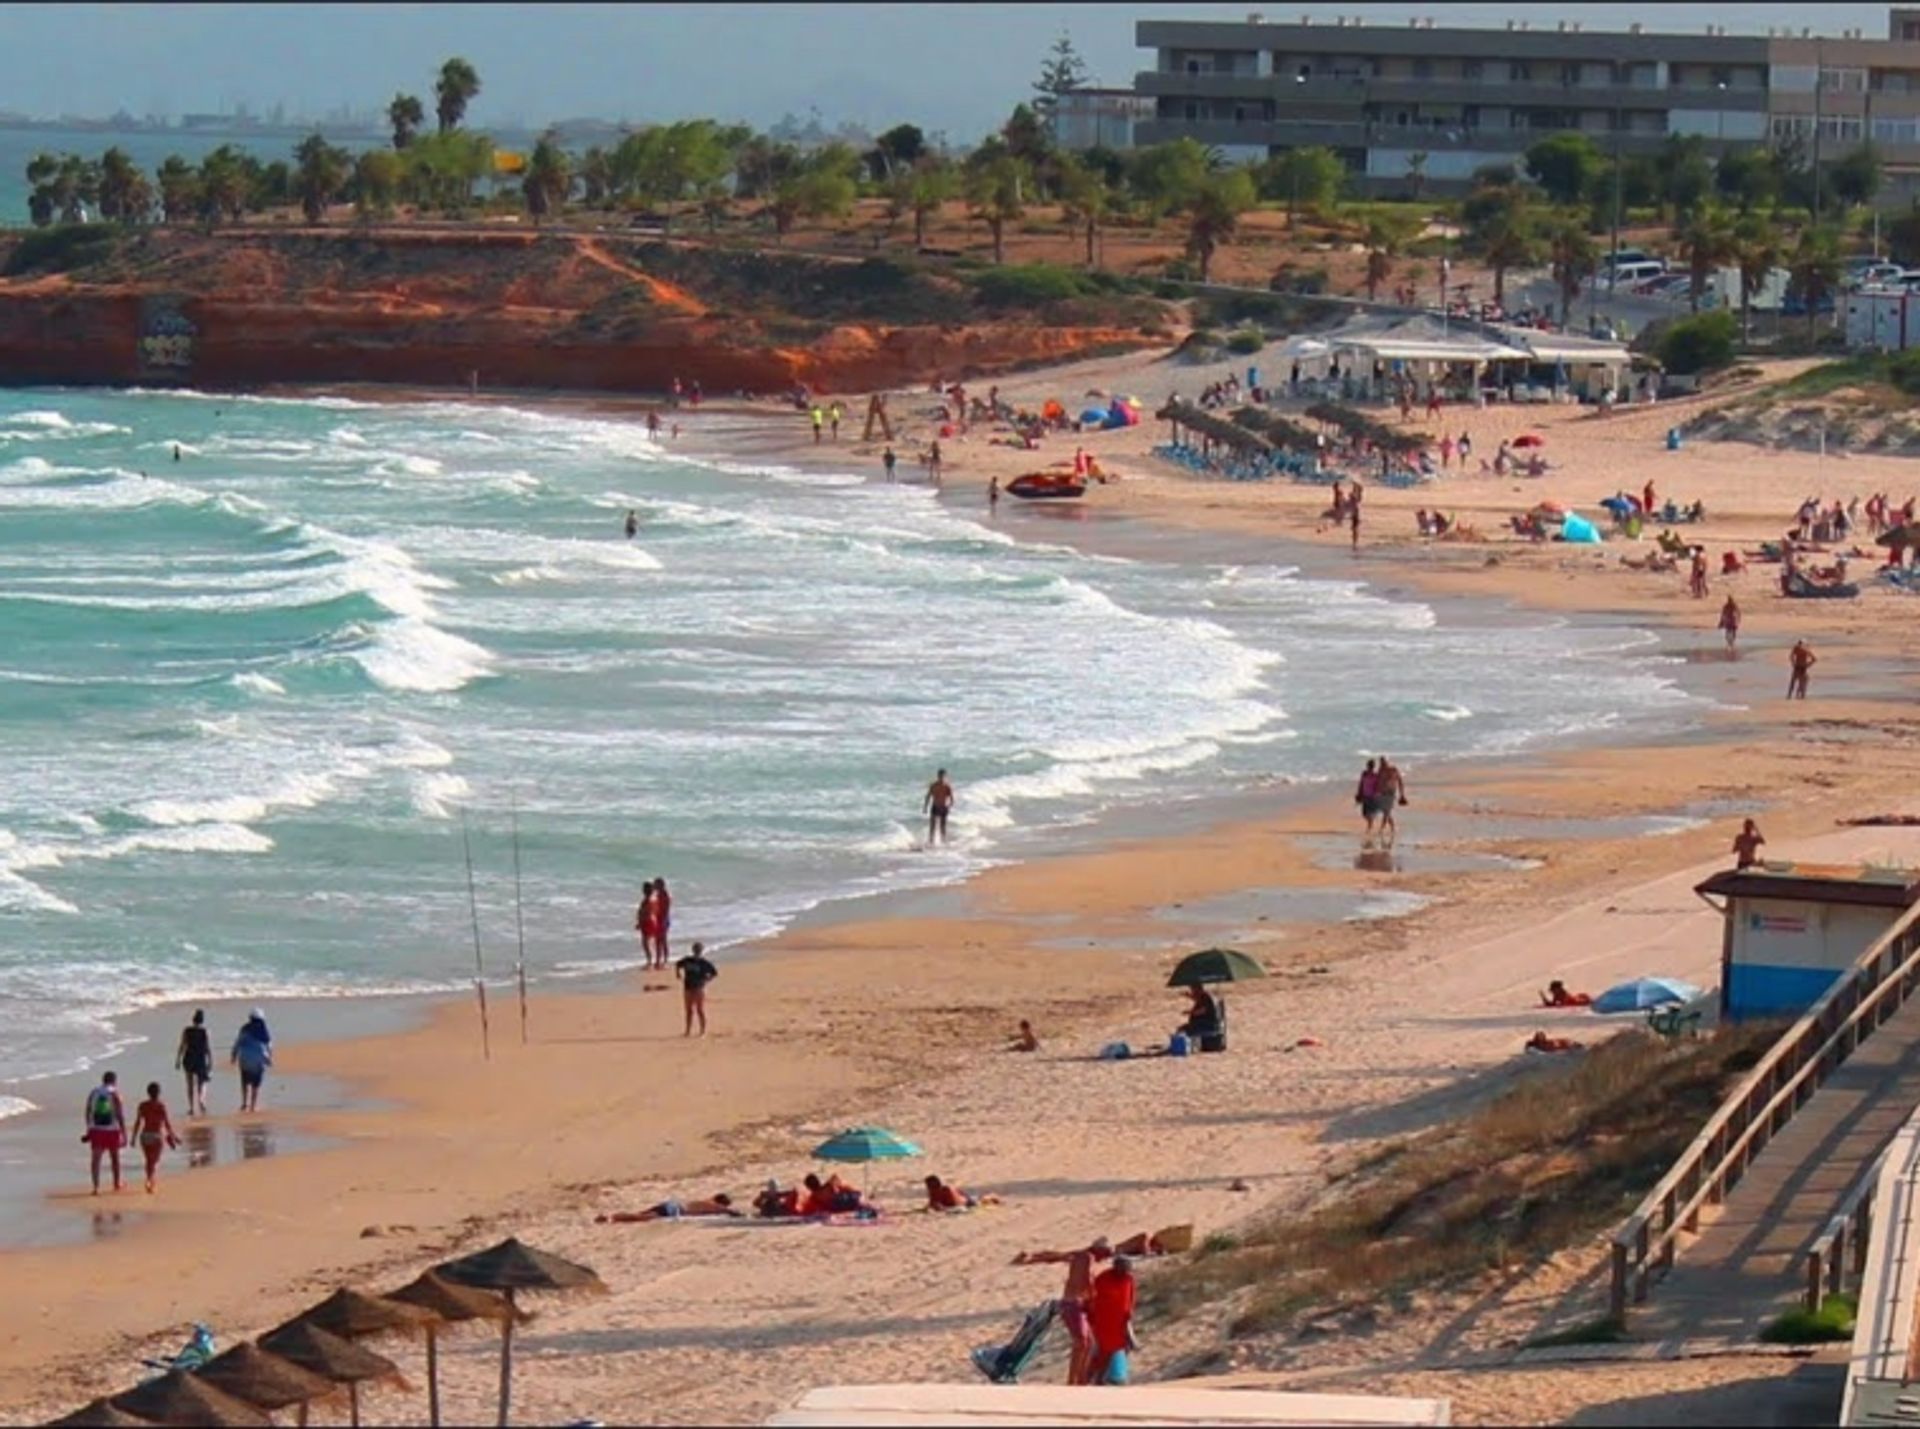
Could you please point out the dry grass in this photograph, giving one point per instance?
(1555, 1158)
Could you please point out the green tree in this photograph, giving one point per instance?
(1385, 238)
(759, 163)
(596, 176)
(994, 195)
(1503, 227)
(1706, 238)
(820, 190)
(1856, 178)
(405, 116)
(453, 91)
(1685, 176)
(1416, 174)
(548, 179)
(1166, 177)
(1756, 251)
(1062, 70)
(1565, 166)
(1747, 179)
(1903, 239)
(897, 150)
(1814, 269)
(377, 177)
(1308, 178)
(1701, 343)
(1027, 138)
(1213, 215)
(62, 187)
(666, 162)
(443, 168)
(179, 189)
(931, 184)
(125, 194)
(226, 185)
(1084, 200)
(321, 174)
(1572, 256)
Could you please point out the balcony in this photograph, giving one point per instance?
(1288, 133)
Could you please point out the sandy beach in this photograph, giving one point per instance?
(1576, 863)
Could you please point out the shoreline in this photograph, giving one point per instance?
(934, 1010)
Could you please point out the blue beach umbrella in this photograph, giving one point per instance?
(1645, 992)
(866, 1144)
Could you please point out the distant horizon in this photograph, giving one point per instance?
(955, 73)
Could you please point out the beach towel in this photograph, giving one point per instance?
(1003, 1364)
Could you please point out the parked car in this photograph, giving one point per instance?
(1878, 275)
(1628, 274)
(1623, 256)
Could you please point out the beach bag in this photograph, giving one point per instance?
(1115, 1052)
(1178, 1045)
(1117, 1368)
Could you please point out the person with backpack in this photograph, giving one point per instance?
(695, 972)
(106, 1127)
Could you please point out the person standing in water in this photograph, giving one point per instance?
(1366, 795)
(935, 806)
(1802, 660)
(695, 971)
(819, 419)
(993, 493)
(195, 1058)
(888, 460)
(106, 1127)
(1730, 622)
(646, 922)
(1389, 789)
(153, 1129)
(633, 523)
(252, 1054)
(176, 451)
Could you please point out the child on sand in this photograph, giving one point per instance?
(153, 1129)
(1024, 1040)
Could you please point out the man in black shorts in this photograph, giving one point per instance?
(939, 799)
(695, 972)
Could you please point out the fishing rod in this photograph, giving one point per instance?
(519, 921)
(479, 970)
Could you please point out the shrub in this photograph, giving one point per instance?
(1801, 1326)
(61, 248)
(1028, 285)
(1703, 343)
(1903, 370)
(1247, 341)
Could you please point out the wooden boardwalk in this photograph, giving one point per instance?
(1748, 1263)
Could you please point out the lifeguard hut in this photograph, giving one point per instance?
(1791, 929)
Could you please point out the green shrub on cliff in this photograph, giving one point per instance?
(1029, 285)
(61, 249)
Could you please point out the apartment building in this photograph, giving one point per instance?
(1427, 103)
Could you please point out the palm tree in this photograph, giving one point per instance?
(548, 180)
(1814, 268)
(406, 116)
(1509, 238)
(1574, 259)
(1213, 216)
(596, 176)
(993, 193)
(459, 82)
(1707, 240)
(179, 189)
(1385, 237)
(932, 184)
(320, 176)
(1084, 200)
(1416, 173)
(1756, 246)
(225, 185)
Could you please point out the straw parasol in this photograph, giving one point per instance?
(181, 1397)
(332, 1358)
(509, 1267)
(100, 1415)
(356, 1315)
(451, 1305)
(261, 1377)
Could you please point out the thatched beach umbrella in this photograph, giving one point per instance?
(100, 1415)
(332, 1358)
(356, 1315)
(510, 1267)
(261, 1377)
(451, 1305)
(181, 1397)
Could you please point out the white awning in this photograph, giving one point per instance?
(1565, 347)
(1136, 1406)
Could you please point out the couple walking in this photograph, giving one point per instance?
(654, 920)
(1381, 789)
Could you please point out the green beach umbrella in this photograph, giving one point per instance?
(1214, 965)
(866, 1144)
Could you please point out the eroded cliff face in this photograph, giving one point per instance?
(517, 310)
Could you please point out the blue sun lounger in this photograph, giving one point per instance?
(1003, 1364)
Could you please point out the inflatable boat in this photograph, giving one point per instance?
(1047, 486)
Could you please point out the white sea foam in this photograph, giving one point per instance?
(15, 1106)
(1446, 714)
(416, 657)
(256, 684)
(433, 794)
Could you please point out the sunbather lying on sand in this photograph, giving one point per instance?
(1540, 1042)
(943, 1197)
(718, 1204)
(1133, 1245)
(1557, 995)
(831, 1197)
(775, 1204)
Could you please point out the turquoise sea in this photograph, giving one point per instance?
(247, 697)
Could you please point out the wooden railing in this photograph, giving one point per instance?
(1793, 1069)
(1830, 1268)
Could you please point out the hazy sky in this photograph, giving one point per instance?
(956, 68)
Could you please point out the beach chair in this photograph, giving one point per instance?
(1003, 1364)
(1673, 1022)
(193, 1355)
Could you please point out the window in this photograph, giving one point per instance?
(1570, 74)
(1722, 77)
(1843, 81)
(1423, 68)
(1472, 70)
(1519, 72)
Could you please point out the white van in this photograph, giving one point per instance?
(1625, 275)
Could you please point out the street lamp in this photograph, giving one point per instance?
(1293, 207)
(1720, 114)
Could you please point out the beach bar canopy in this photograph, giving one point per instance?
(1092, 1405)
(1791, 929)
(1423, 339)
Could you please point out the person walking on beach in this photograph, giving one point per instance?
(1110, 1316)
(933, 460)
(1746, 845)
(252, 1054)
(1730, 622)
(993, 493)
(1801, 659)
(695, 971)
(646, 922)
(1073, 1299)
(663, 918)
(195, 1058)
(1366, 795)
(1353, 517)
(819, 420)
(833, 419)
(888, 459)
(1389, 789)
(153, 1129)
(106, 1127)
(936, 805)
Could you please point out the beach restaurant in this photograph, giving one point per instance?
(1791, 929)
(1463, 357)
